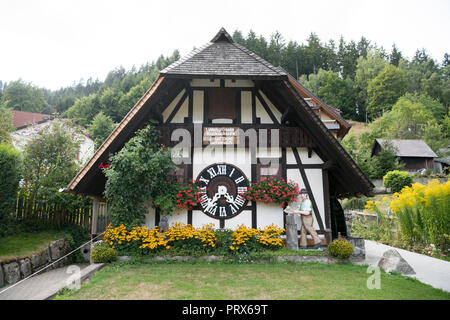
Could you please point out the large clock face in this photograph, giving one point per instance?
(222, 186)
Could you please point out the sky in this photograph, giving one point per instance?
(55, 43)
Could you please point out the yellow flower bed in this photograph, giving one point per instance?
(143, 238)
(269, 237)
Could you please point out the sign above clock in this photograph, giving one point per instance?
(221, 187)
(220, 135)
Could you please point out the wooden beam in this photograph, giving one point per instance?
(326, 198)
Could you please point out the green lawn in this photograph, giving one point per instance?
(26, 244)
(145, 279)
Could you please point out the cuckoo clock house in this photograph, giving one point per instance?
(235, 119)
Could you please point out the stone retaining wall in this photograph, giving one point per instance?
(15, 270)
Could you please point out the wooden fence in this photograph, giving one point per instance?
(28, 208)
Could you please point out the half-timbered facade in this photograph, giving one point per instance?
(231, 117)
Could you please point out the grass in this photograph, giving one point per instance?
(25, 244)
(145, 279)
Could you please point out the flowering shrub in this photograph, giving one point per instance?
(249, 239)
(101, 253)
(273, 191)
(423, 213)
(340, 248)
(186, 238)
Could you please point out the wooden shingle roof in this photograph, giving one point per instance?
(408, 148)
(222, 57)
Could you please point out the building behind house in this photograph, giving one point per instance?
(28, 124)
(415, 154)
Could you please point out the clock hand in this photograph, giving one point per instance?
(229, 197)
(213, 201)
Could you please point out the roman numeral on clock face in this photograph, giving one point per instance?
(221, 169)
(239, 200)
(239, 180)
(212, 173)
(206, 181)
(222, 212)
(212, 210)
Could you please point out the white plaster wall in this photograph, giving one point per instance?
(315, 181)
(205, 83)
(272, 107)
(183, 112)
(261, 113)
(199, 219)
(239, 157)
(166, 113)
(316, 186)
(197, 115)
(303, 153)
(270, 152)
(245, 218)
(246, 107)
(178, 216)
(268, 214)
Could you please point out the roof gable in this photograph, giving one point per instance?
(222, 35)
(222, 57)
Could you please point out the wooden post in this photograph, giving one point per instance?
(95, 208)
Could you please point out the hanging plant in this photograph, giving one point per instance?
(272, 190)
(188, 196)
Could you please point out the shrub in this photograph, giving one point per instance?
(10, 167)
(102, 253)
(397, 180)
(340, 248)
